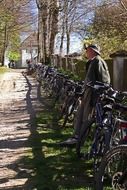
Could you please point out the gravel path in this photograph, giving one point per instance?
(18, 102)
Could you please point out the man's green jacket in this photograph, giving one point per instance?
(97, 70)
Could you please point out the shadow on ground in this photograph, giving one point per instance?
(47, 166)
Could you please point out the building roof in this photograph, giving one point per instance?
(75, 54)
(30, 41)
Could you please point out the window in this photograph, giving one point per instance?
(36, 50)
(29, 50)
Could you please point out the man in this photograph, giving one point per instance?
(96, 70)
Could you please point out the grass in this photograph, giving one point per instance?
(54, 167)
(3, 70)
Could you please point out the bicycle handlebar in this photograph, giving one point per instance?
(98, 85)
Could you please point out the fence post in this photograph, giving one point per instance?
(52, 60)
(55, 60)
(73, 60)
(66, 63)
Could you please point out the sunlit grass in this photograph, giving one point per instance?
(3, 70)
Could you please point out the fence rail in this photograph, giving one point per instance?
(76, 65)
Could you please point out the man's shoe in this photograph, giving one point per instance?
(69, 142)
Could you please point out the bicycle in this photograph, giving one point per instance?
(112, 172)
(105, 122)
(71, 102)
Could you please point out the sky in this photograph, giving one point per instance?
(75, 45)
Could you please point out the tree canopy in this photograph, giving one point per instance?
(15, 18)
(109, 26)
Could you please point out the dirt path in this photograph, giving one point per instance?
(18, 102)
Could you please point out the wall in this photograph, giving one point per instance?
(120, 73)
(27, 55)
(125, 75)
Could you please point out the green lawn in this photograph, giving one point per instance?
(3, 70)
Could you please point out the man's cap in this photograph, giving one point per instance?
(94, 47)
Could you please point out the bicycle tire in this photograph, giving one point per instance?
(69, 111)
(102, 146)
(121, 149)
(64, 107)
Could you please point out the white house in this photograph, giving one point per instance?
(29, 49)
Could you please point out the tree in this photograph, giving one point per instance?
(91, 19)
(52, 25)
(42, 28)
(74, 20)
(15, 17)
(109, 26)
(48, 18)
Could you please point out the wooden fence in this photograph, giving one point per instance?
(75, 65)
(117, 68)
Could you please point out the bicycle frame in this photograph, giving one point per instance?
(100, 125)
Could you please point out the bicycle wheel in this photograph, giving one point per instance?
(69, 112)
(101, 145)
(111, 169)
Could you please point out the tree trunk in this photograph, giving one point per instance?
(67, 28)
(42, 15)
(5, 43)
(53, 25)
(62, 36)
